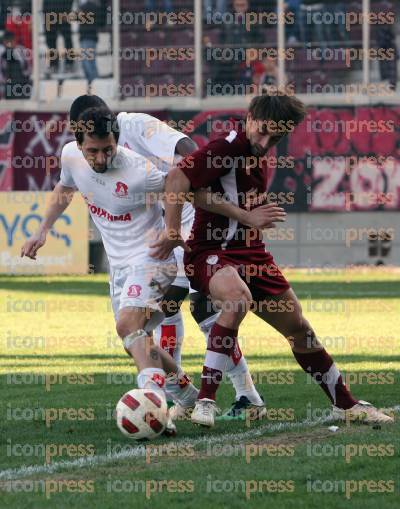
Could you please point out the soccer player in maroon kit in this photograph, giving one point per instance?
(228, 260)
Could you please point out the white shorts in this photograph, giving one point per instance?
(142, 285)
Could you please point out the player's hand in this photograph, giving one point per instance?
(265, 216)
(165, 244)
(33, 244)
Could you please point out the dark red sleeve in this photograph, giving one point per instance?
(209, 163)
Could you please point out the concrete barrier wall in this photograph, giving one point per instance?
(324, 240)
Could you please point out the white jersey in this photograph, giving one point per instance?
(156, 141)
(118, 201)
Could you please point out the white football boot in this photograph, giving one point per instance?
(361, 412)
(204, 412)
(183, 407)
(179, 412)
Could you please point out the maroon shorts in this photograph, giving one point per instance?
(256, 267)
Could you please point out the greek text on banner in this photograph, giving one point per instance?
(67, 247)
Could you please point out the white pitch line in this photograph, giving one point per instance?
(140, 450)
(318, 295)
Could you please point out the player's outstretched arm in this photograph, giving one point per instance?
(264, 216)
(60, 199)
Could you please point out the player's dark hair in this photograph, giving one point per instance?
(84, 102)
(98, 122)
(277, 107)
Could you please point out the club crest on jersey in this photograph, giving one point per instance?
(212, 259)
(134, 291)
(121, 190)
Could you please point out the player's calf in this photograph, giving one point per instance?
(234, 299)
(139, 345)
(316, 361)
(236, 370)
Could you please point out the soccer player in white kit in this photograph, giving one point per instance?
(163, 146)
(122, 191)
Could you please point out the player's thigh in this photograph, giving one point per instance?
(144, 290)
(283, 312)
(226, 285)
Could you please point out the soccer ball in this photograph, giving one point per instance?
(142, 414)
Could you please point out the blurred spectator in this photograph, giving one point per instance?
(88, 36)
(3, 13)
(154, 6)
(386, 39)
(19, 22)
(236, 37)
(293, 29)
(309, 29)
(313, 21)
(54, 9)
(337, 29)
(15, 69)
(213, 14)
(266, 72)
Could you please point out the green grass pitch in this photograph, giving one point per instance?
(63, 370)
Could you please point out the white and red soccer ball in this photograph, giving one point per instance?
(142, 414)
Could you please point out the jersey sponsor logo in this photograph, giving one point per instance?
(212, 259)
(121, 190)
(100, 212)
(134, 291)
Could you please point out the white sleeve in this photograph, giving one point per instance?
(66, 178)
(155, 180)
(154, 136)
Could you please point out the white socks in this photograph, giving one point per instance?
(238, 373)
(169, 336)
(152, 378)
(240, 377)
(178, 387)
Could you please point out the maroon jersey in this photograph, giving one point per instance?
(226, 166)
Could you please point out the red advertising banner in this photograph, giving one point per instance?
(6, 148)
(39, 139)
(349, 158)
(339, 159)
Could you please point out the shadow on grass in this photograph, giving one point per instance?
(191, 357)
(74, 287)
(329, 289)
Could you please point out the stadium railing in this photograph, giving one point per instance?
(191, 58)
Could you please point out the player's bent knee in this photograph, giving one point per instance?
(130, 339)
(239, 295)
(125, 326)
(237, 302)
